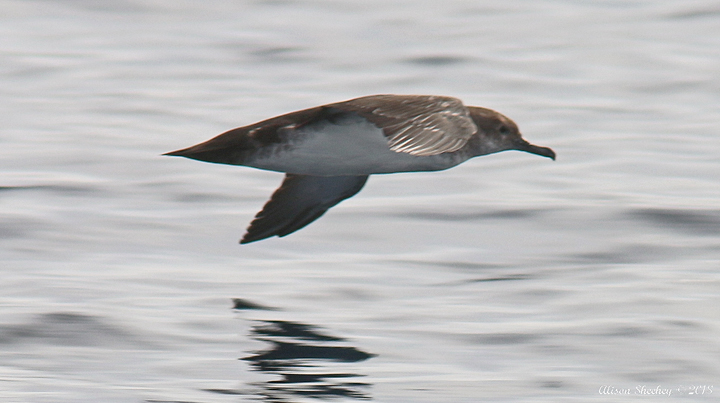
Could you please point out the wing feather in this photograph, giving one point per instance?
(300, 200)
(419, 125)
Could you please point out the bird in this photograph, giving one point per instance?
(328, 152)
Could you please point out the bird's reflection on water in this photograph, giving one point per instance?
(306, 360)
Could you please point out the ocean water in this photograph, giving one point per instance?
(511, 278)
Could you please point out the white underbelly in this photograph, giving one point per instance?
(350, 147)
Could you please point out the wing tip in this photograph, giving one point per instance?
(248, 238)
(253, 234)
(176, 153)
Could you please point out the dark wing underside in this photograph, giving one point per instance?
(419, 125)
(300, 200)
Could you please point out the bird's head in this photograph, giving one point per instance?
(496, 132)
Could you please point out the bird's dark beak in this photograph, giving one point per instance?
(533, 149)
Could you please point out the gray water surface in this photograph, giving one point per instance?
(510, 278)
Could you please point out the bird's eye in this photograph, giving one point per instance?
(504, 129)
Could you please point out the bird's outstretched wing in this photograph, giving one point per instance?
(300, 200)
(417, 125)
